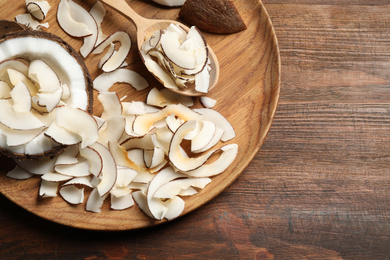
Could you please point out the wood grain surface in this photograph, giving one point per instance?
(319, 188)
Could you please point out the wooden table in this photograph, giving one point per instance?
(320, 186)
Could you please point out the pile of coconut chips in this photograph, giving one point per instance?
(152, 153)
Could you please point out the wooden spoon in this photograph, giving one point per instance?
(147, 26)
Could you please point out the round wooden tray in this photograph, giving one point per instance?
(247, 95)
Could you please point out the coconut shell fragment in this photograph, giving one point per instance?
(7, 26)
(214, 16)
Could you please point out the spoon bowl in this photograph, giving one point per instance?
(145, 27)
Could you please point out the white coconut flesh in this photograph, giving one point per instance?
(143, 123)
(38, 9)
(139, 173)
(207, 102)
(68, 15)
(98, 12)
(56, 56)
(18, 65)
(133, 151)
(176, 156)
(55, 177)
(72, 194)
(118, 57)
(79, 16)
(28, 20)
(178, 58)
(94, 160)
(38, 70)
(105, 81)
(18, 173)
(48, 189)
(173, 188)
(155, 205)
(170, 3)
(5, 89)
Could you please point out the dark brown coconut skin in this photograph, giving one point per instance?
(7, 26)
(89, 83)
(214, 16)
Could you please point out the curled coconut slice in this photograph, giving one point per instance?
(98, 12)
(177, 58)
(105, 81)
(28, 20)
(70, 18)
(178, 157)
(38, 8)
(119, 56)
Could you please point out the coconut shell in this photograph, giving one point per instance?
(214, 16)
(7, 26)
(89, 83)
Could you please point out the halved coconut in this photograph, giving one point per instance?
(65, 64)
(7, 26)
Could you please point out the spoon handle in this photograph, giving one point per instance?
(122, 7)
